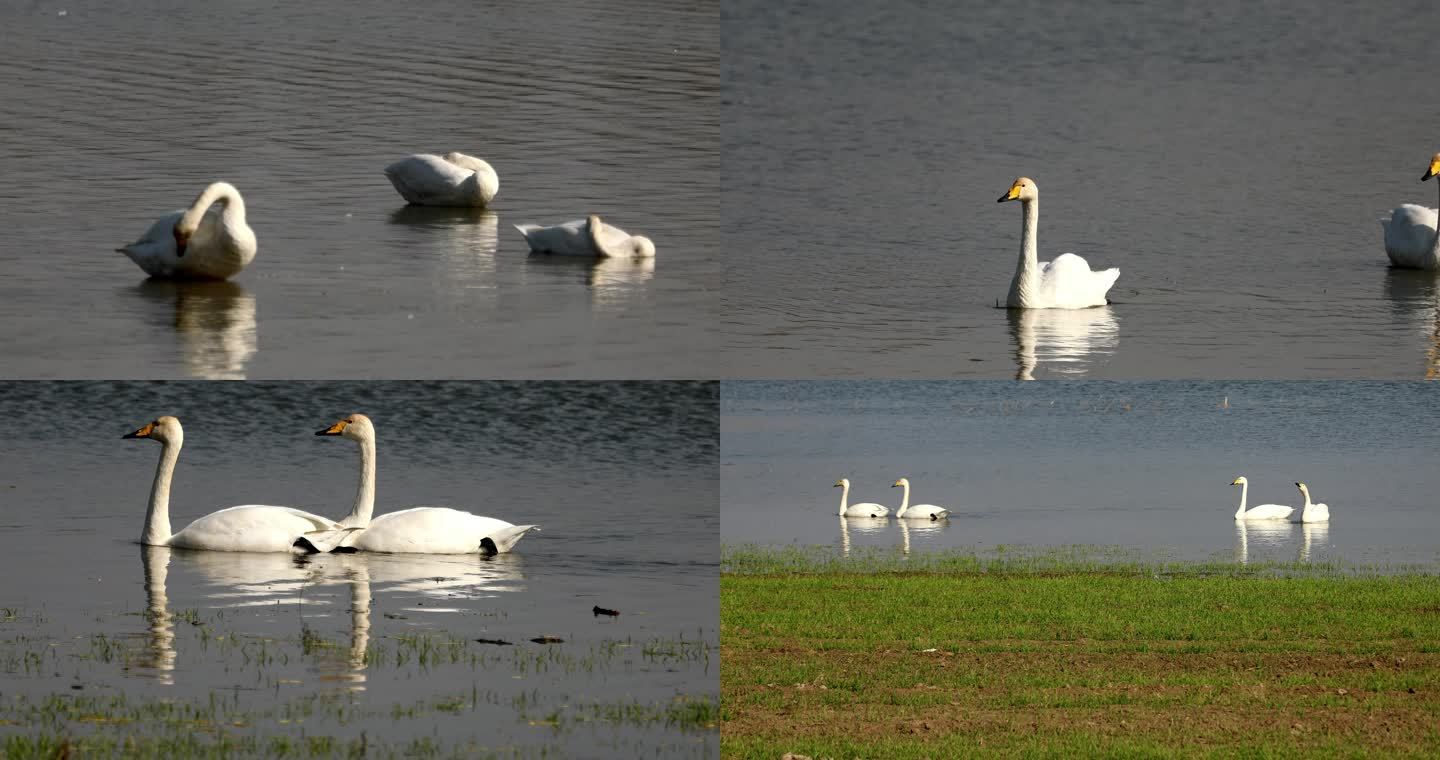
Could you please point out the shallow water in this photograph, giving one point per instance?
(1144, 466)
(1232, 159)
(620, 477)
(117, 113)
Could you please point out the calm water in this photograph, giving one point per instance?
(621, 477)
(119, 112)
(1232, 159)
(1146, 465)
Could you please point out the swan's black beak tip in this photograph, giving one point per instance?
(1003, 198)
(1426, 177)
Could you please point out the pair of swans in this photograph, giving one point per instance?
(1065, 283)
(1309, 513)
(906, 511)
(1412, 233)
(259, 528)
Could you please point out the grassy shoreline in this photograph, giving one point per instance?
(1066, 655)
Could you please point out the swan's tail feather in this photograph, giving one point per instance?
(322, 541)
(504, 540)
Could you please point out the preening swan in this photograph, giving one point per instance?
(1066, 282)
(919, 511)
(1259, 511)
(429, 530)
(198, 243)
(1310, 512)
(249, 528)
(864, 509)
(1411, 239)
(453, 179)
(586, 237)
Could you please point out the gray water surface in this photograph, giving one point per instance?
(620, 477)
(1233, 159)
(119, 112)
(1144, 466)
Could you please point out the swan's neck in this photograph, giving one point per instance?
(1244, 490)
(1306, 494)
(222, 192)
(359, 516)
(844, 498)
(904, 500)
(1435, 246)
(1027, 269)
(157, 516)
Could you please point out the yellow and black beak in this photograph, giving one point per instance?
(838, 484)
(143, 432)
(336, 429)
(1433, 171)
(896, 484)
(1012, 194)
(1235, 482)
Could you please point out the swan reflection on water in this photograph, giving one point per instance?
(467, 239)
(923, 531)
(1412, 296)
(1268, 537)
(215, 322)
(1062, 342)
(863, 525)
(613, 283)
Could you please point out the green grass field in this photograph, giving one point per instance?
(1064, 655)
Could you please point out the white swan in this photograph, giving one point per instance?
(587, 237)
(1310, 512)
(1259, 511)
(1066, 282)
(198, 243)
(453, 179)
(249, 528)
(864, 509)
(428, 530)
(919, 511)
(1411, 239)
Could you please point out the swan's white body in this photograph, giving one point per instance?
(1310, 512)
(1066, 282)
(248, 528)
(1411, 237)
(1259, 511)
(587, 237)
(919, 511)
(453, 179)
(863, 509)
(419, 530)
(218, 243)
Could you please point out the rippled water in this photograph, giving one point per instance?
(1145, 466)
(1232, 159)
(116, 113)
(620, 477)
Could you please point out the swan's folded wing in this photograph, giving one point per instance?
(423, 177)
(1410, 230)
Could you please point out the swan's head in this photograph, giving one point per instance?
(1023, 189)
(1240, 481)
(1434, 169)
(356, 427)
(1303, 489)
(900, 482)
(165, 430)
(642, 246)
(842, 483)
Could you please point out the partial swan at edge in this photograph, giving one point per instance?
(1411, 237)
(918, 511)
(1259, 511)
(1066, 282)
(586, 237)
(198, 243)
(863, 509)
(453, 179)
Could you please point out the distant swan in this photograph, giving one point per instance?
(586, 237)
(249, 528)
(198, 243)
(1411, 240)
(1066, 282)
(864, 509)
(453, 179)
(421, 530)
(1311, 512)
(1259, 511)
(919, 511)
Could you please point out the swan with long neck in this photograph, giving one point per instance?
(419, 530)
(590, 237)
(247, 528)
(453, 179)
(863, 509)
(1412, 233)
(1066, 282)
(198, 243)
(1259, 511)
(1310, 512)
(919, 511)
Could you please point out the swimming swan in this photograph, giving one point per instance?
(858, 510)
(1411, 240)
(919, 511)
(249, 528)
(587, 237)
(453, 179)
(420, 530)
(198, 243)
(1311, 512)
(1259, 511)
(1066, 282)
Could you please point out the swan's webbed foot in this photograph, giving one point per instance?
(304, 544)
(344, 550)
(488, 547)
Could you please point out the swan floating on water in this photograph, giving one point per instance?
(1310, 512)
(864, 509)
(198, 243)
(248, 528)
(1259, 511)
(427, 530)
(586, 237)
(1066, 282)
(453, 179)
(1411, 237)
(919, 511)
